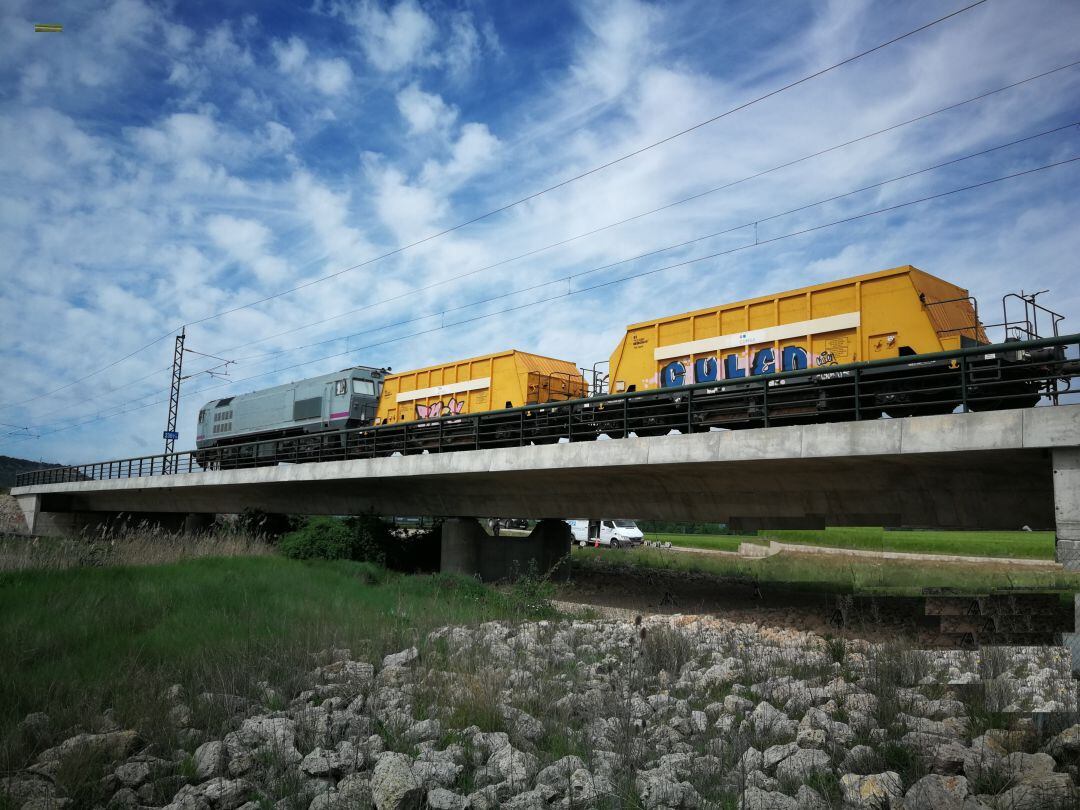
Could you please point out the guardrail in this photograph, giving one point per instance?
(1008, 375)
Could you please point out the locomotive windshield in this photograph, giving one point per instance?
(363, 387)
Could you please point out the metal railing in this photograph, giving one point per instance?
(1009, 375)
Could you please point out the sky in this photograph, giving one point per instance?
(164, 163)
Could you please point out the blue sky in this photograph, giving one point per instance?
(163, 162)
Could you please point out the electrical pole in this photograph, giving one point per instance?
(170, 434)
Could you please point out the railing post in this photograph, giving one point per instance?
(765, 400)
(963, 385)
(858, 412)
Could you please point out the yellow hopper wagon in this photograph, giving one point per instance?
(510, 379)
(876, 316)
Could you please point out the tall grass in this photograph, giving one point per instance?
(83, 641)
(124, 544)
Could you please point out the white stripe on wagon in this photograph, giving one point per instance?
(440, 390)
(831, 323)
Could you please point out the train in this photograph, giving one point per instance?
(802, 341)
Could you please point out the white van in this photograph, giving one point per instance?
(613, 533)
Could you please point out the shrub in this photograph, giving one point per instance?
(320, 538)
(364, 538)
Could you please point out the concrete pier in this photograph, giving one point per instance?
(1066, 463)
(467, 549)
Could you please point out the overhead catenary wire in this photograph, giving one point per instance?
(524, 199)
(569, 278)
(664, 249)
(604, 284)
(536, 251)
(667, 248)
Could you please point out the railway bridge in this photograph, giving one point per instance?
(994, 470)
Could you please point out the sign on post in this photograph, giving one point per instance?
(170, 434)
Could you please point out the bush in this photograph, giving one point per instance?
(320, 538)
(364, 538)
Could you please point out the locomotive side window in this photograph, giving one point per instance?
(363, 387)
(340, 388)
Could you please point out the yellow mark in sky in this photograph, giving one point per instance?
(48, 28)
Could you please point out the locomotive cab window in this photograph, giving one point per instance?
(363, 387)
(340, 388)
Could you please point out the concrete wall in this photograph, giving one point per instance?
(467, 549)
(990, 470)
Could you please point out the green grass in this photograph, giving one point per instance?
(837, 574)
(1021, 545)
(77, 642)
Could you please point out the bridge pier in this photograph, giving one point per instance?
(1066, 461)
(467, 549)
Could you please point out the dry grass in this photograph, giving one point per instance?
(142, 544)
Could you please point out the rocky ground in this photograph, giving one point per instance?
(669, 712)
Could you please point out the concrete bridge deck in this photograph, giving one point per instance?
(996, 470)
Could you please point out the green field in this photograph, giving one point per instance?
(1021, 545)
(79, 641)
(836, 574)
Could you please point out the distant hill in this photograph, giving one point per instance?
(10, 467)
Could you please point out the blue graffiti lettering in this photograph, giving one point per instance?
(793, 358)
(672, 375)
(705, 369)
(731, 367)
(764, 362)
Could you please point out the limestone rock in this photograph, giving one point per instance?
(514, 766)
(756, 799)
(113, 745)
(442, 799)
(873, 791)
(209, 760)
(393, 784)
(801, 765)
(937, 792)
(401, 659)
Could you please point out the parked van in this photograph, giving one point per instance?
(613, 533)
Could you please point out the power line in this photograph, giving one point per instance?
(699, 195)
(732, 229)
(600, 229)
(668, 248)
(621, 280)
(532, 196)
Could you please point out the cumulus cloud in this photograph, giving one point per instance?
(397, 37)
(424, 112)
(330, 77)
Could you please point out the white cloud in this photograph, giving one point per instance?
(330, 77)
(623, 34)
(397, 38)
(474, 151)
(424, 112)
(179, 136)
(291, 56)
